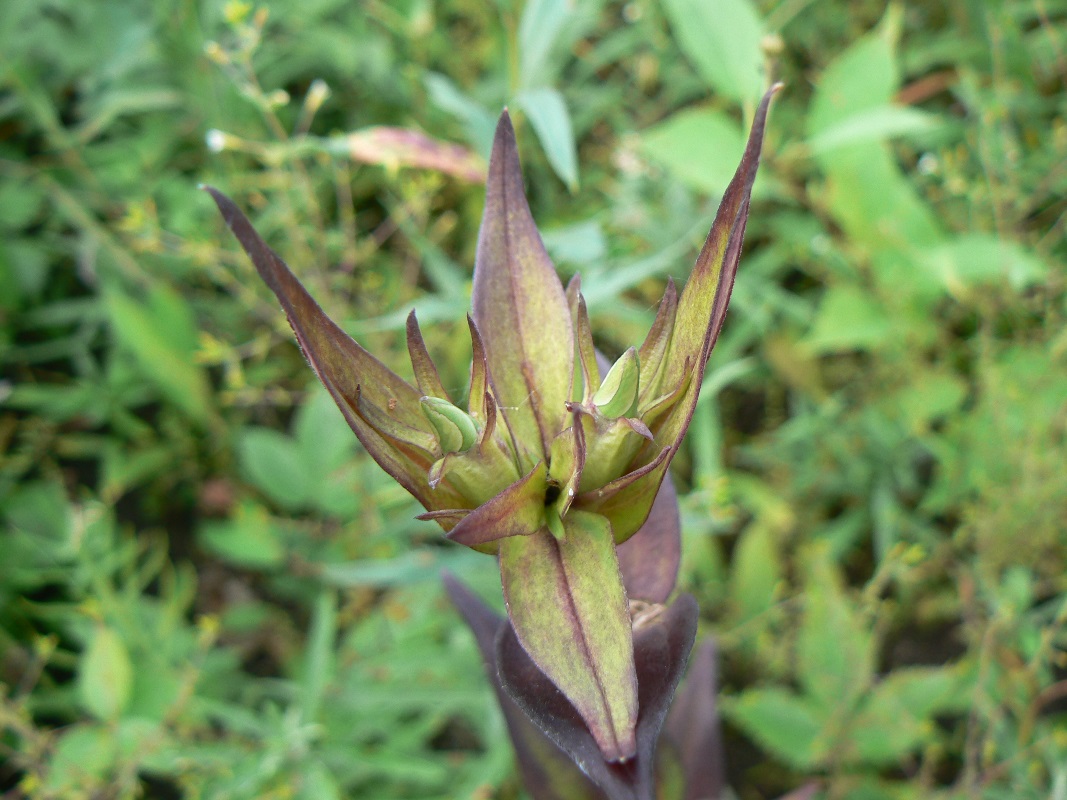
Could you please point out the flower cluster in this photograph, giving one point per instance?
(554, 459)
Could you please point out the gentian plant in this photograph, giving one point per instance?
(554, 463)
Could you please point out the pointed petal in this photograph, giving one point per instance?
(699, 316)
(519, 510)
(569, 610)
(702, 305)
(587, 353)
(656, 344)
(519, 305)
(352, 375)
(547, 772)
(445, 517)
(627, 501)
(693, 726)
(649, 559)
(661, 649)
(426, 376)
(479, 385)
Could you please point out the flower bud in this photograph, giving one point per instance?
(456, 431)
(618, 391)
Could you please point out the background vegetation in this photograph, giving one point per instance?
(208, 590)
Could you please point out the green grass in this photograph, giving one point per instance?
(208, 590)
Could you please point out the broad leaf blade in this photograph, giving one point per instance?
(519, 305)
(567, 604)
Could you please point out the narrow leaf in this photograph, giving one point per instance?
(519, 305)
(551, 122)
(567, 604)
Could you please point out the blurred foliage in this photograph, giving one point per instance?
(207, 590)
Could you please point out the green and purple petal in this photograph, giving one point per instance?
(569, 610)
(381, 408)
(520, 307)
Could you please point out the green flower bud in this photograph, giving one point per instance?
(456, 431)
(617, 394)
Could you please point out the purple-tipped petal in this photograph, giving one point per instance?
(520, 306)
(697, 321)
(702, 304)
(356, 379)
(516, 511)
(426, 376)
(649, 559)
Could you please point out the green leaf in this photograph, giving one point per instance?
(83, 756)
(541, 23)
(477, 121)
(873, 125)
(105, 675)
(790, 727)
(699, 147)
(848, 318)
(319, 661)
(835, 649)
(551, 122)
(250, 539)
(861, 79)
(978, 259)
(520, 308)
(897, 715)
(723, 41)
(756, 571)
(321, 432)
(275, 464)
(569, 611)
(162, 339)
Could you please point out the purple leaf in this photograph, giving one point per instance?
(660, 648)
(520, 307)
(547, 772)
(693, 727)
(649, 559)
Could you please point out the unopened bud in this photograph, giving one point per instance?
(456, 431)
(618, 392)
